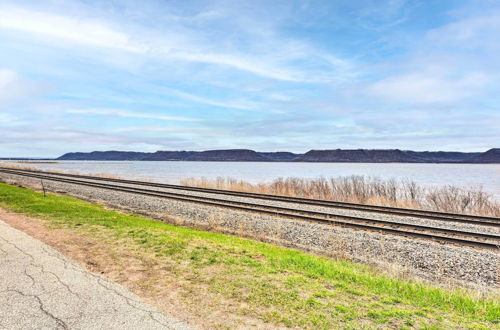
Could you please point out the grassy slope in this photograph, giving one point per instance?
(277, 285)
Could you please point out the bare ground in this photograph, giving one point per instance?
(153, 282)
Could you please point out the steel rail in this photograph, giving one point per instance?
(432, 215)
(436, 234)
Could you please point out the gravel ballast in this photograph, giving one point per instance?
(442, 263)
(331, 210)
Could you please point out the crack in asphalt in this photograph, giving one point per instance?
(41, 267)
(60, 323)
(68, 265)
(128, 300)
(100, 281)
(30, 277)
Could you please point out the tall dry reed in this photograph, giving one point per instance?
(354, 189)
(367, 190)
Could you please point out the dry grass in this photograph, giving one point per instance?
(99, 175)
(18, 167)
(367, 190)
(37, 162)
(353, 189)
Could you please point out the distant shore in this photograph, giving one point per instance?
(491, 156)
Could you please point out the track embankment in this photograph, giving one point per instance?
(437, 246)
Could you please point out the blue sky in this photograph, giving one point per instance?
(267, 75)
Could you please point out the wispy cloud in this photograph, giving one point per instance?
(80, 31)
(452, 64)
(241, 104)
(128, 114)
(471, 32)
(430, 87)
(243, 63)
(7, 77)
(14, 87)
(6, 119)
(9, 83)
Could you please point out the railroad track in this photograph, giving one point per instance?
(433, 215)
(443, 235)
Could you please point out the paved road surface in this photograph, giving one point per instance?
(41, 289)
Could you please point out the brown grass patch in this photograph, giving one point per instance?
(366, 190)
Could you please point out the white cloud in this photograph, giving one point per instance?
(76, 30)
(10, 85)
(192, 131)
(429, 87)
(7, 77)
(128, 114)
(382, 15)
(255, 66)
(7, 118)
(470, 32)
(13, 87)
(453, 63)
(189, 46)
(279, 97)
(241, 104)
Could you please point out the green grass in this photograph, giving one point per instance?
(274, 284)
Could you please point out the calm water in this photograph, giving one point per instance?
(486, 176)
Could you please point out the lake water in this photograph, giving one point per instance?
(486, 176)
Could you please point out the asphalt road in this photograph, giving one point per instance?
(41, 289)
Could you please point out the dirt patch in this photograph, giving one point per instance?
(154, 283)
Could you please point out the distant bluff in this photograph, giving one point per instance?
(386, 156)
(104, 155)
(227, 155)
(332, 156)
(359, 156)
(490, 156)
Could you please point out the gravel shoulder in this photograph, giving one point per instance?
(41, 289)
